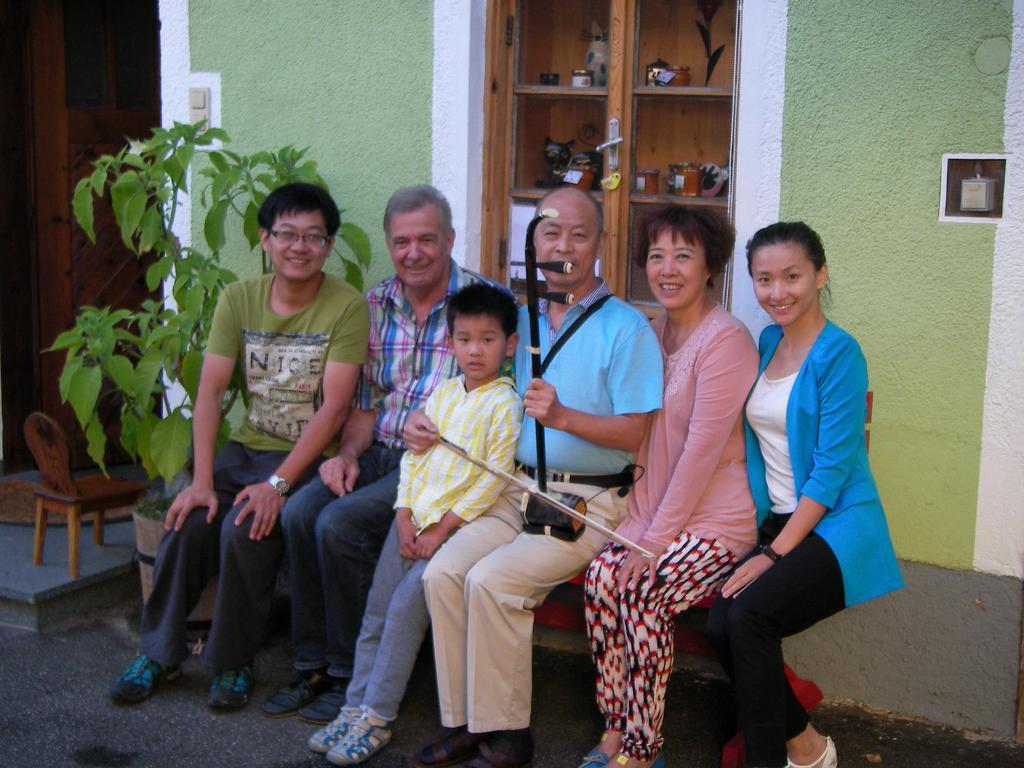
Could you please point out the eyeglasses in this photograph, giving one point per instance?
(291, 238)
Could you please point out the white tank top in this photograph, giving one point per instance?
(766, 413)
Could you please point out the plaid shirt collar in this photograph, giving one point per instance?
(395, 296)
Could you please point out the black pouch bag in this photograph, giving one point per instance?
(541, 518)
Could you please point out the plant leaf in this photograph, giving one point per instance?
(251, 225)
(71, 367)
(216, 133)
(146, 373)
(123, 189)
(191, 368)
(213, 227)
(223, 182)
(128, 218)
(150, 229)
(98, 178)
(83, 391)
(184, 155)
(96, 442)
(81, 205)
(169, 444)
(218, 161)
(353, 275)
(66, 340)
(143, 439)
(121, 371)
(194, 300)
(355, 238)
(158, 271)
(129, 432)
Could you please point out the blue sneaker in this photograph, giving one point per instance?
(139, 678)
(230, 689)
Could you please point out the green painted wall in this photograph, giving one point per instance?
(351, 80)
(876, 92)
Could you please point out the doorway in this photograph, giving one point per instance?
(81, 76)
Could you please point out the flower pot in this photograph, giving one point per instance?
(148, 534)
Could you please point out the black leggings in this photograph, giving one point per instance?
(746, 631)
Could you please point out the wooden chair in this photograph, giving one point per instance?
(59, 492)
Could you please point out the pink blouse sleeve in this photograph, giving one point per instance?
(725, 370)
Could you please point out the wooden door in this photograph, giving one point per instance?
(18, 355)
(661, 122)
(91, 66)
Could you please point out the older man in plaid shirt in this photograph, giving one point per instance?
(335, 526)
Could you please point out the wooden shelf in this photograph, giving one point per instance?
(659, 125)
(536, 193)
(641, 199)
(560, 90)
(690, 91)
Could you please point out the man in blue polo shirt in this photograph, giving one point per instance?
(481, 586)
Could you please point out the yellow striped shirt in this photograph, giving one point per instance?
(486, 423)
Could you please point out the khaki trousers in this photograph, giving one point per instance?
(481, 588)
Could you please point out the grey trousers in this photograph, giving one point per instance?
(189, 558)
(394, 625)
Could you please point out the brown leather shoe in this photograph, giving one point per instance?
(457, 746)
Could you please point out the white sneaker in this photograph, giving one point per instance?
(828, 759)
(334, 731)
(366, 736)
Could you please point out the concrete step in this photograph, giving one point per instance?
(44, 597)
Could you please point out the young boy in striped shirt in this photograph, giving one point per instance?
(438, 492)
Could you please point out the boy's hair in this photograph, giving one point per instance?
(484, 299)
(299, 197)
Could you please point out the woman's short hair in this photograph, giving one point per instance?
(704, 226)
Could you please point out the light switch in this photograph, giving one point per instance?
(198, 104)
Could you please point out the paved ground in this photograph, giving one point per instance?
(56, 714)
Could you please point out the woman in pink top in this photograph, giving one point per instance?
(691, 506)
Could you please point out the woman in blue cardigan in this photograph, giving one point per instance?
(824, 540)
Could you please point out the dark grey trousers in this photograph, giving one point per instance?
(189, 558)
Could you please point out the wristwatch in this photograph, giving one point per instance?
(771, 554)
(281, 486)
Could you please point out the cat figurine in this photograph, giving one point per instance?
(556, 155)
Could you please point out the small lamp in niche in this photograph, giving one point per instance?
(978, 193)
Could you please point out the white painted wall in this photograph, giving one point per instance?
(758, 163)
(999, 533)
(176, 77)
(458, 118)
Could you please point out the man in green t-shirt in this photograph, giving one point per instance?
(298, 337)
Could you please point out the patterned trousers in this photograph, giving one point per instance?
(631, 633)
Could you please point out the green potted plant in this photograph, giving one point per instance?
(150, 358)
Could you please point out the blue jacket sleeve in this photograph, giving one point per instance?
(842, 389)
